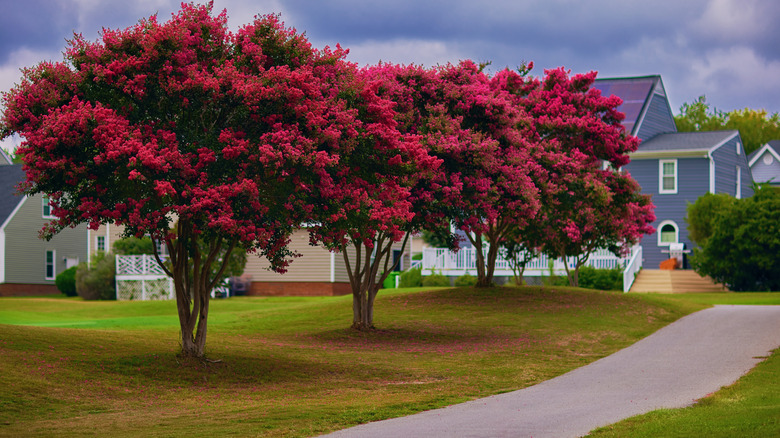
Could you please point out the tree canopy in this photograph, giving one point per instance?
(756, 126)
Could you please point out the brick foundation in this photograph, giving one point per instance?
(27, 290)
(298, 289)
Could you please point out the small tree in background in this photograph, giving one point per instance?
(702, 213)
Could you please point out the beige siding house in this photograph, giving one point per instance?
(316, 272)
(28, 264)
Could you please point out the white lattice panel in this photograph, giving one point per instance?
(145, 289)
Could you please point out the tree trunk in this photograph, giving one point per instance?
(365, 277)
(192, 283)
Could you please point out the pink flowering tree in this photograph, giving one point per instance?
(483, 185)
(369, 205)
(186, 132)
(584, 208)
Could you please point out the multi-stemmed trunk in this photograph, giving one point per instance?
(487, 266)
(574, 274)
(190, 270)
(365, 276)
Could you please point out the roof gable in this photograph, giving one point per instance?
(772, 147)
(636, 93)
(10, 177)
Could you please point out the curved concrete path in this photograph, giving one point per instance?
(671, 368)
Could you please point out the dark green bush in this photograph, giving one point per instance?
(435, 280)
(742, 251)
(134, 246)
(466, 280)
(411, 278)
(66, 282)
(97, 282)
(602, 279)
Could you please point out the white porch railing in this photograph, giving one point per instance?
(446, 262)
(632, 268)
(139, 277)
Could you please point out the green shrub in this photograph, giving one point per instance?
(411, 278)
(134, 246)
(466, 280)
(602, 279)
(742, 250)
(417, 256)
(435, 280)
(97, 282)
(66, 282)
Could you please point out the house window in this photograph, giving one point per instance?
(46, 214)
(739, 181)
(739, 148)
(668, 176)
(51, 265)
(100, 244)
(668, 233)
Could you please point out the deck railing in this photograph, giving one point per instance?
(140, 277)
(454, 264)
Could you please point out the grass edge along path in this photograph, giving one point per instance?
(748, 408)
(291, 368)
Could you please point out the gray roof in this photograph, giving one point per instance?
(686, 141)
(10, 177)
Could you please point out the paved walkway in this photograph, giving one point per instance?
(672, 368)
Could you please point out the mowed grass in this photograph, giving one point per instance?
(748, 408)
(290, 366)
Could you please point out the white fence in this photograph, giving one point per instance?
(446, 262)
(139, 277)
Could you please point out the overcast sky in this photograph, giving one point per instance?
(728, 50)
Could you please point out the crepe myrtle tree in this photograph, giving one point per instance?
(604, 209)
(184, 123)
(483, 185)
(575, 129)
(374, 199)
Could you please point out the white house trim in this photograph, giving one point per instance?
(2, 256)
(724, 141)
(679, 153)
(712, 173)
(13, 213)
(661, 189)
(332, 267)
(761, 152)
(739, 183)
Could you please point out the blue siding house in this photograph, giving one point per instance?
(676, 168)
(765, 163)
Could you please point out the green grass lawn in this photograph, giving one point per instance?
(290, 366)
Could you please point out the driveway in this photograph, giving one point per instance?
(672, 368)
